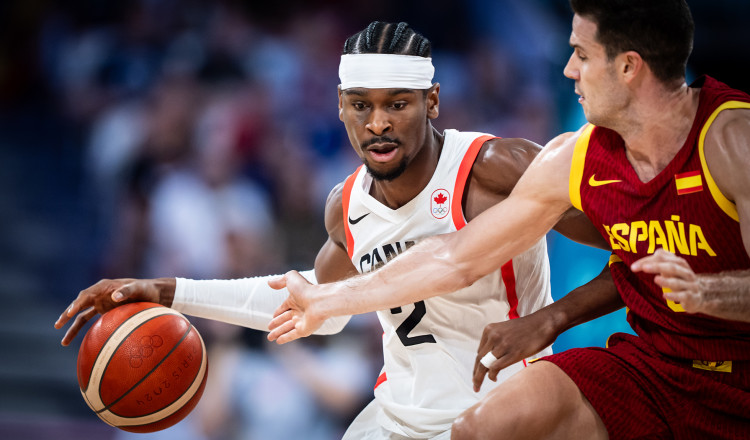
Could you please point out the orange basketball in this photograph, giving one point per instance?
(142, 367)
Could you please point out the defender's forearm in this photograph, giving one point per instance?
(726, 295)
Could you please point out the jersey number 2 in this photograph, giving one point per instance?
(410, 323)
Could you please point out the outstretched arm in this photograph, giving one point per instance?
(248, 302)
(724, 295)
(516, 339)
(498, 168)
(444, 263)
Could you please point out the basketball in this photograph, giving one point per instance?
(142, 367)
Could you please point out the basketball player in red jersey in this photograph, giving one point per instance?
(416, 182)
(662, 171)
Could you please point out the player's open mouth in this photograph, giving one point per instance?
(382, 152)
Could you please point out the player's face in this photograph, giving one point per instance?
(387, 127)
(602, 95)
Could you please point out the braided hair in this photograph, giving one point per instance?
(388, 38)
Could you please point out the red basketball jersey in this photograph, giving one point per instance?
(681, 210)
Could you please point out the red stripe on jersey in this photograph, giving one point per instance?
(506, 271)
(382, 378)
(695, 189)
(463, 174)
(345, 196)
(509, 279)
(688, 174)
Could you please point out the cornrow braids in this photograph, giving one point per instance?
(388, 38)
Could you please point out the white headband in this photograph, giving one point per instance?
(385, 71)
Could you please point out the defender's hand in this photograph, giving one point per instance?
(674, 273)
(295, 318)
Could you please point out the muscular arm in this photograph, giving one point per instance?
(724, 295)
(496, 171)
(248, 302)
(251, 302)
(444, 263)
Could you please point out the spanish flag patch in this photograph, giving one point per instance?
(688, 183)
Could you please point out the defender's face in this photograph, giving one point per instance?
(596, 80)
(386, 127)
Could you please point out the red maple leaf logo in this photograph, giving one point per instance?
(440, 199)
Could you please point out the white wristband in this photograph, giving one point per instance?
(249, 302)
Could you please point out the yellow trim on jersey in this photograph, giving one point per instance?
(721, 367)
(671, 304)
(613, 258)
(576, 166)
(727, 206)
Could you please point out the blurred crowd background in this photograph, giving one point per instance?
(200, 138)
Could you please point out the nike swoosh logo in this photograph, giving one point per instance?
(358, 219)
(594, 182)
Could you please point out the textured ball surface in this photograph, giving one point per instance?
(142, 367)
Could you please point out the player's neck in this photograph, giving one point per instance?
(399, 191)
(656, 128)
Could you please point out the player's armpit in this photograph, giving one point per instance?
(576, 226)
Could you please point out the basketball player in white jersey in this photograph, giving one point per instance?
(415, 183)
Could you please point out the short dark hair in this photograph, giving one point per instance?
(661, 31)
(390, 38)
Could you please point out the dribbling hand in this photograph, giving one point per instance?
(108, 294)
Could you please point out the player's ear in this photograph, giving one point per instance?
(433, 101)
(341, 104)
(630, 64)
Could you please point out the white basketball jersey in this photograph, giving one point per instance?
(429, 347)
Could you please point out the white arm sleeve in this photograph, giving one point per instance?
(249, 302)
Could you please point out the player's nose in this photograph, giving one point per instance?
(379, 122)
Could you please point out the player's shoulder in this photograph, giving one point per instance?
(334, 212)
(336, 195)
(726, 134)
(568, 139)
(501, 161)
(505, 149)
(731, 121)
(334, 206)
(725, 151)
(558, 152)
